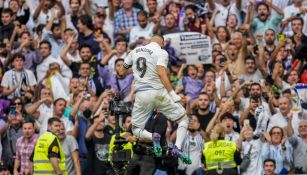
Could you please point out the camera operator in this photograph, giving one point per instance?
(110, 128)
(143, 158)
(121, 147)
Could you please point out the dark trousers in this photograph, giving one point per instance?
(142, 163)
(228, 171)
(83, 165)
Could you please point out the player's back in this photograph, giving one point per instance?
(145, 60)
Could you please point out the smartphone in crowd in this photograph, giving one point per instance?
(13, 111)
(246, 123)
(281, 37)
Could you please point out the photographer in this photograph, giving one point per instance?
(110, 128)
(121, 150)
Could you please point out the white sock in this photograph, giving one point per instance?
(181, 131)
(142, 133)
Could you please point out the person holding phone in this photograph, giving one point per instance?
(194, 22)
(249, 114)
(11, 131)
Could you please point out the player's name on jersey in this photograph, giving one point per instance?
(144, 50)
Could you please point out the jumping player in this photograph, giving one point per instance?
(154, 91)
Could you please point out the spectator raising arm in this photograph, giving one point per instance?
(289, 125)
(38, 10)
(33, 109)
(61, 8)
(211, 4)
(64, 52)
(90, 132)
(238, 4)
(75, 159)
(274, 7)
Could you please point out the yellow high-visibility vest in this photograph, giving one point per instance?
(41, 162)
(219, 154)
(126, 146)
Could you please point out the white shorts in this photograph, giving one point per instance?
(147, 101)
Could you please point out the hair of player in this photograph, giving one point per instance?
(159, 36)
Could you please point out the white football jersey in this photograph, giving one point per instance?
(144, 61)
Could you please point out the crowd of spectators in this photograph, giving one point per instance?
(61, 58)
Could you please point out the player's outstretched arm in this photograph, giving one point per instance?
(162, 72)
(124, 70)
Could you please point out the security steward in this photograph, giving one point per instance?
(48, 156)
(221, 156)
